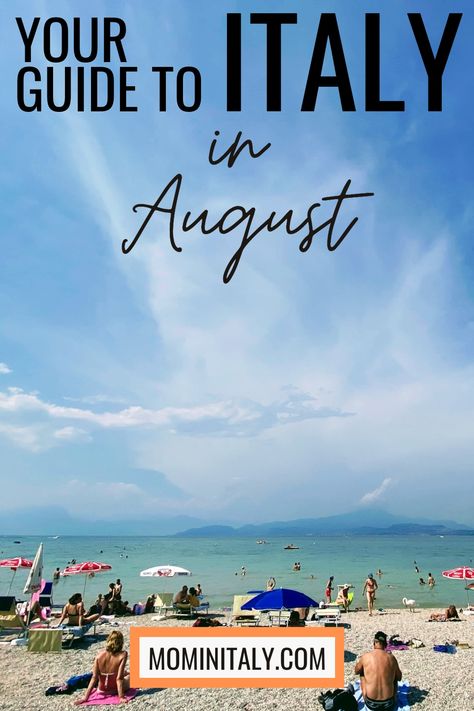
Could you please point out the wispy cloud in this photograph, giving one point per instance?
(224, 418)
(72, 434)
(4, 369)
(376, 494)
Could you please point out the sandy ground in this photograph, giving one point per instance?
(440, 682)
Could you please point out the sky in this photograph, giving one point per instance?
(140, 385)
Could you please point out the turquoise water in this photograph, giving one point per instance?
(214, 563)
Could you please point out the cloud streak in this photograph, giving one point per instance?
(376, 494)
(224, 418)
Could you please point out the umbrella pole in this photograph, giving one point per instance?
(11, 581)
(85, 583)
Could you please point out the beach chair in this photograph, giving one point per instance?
(9, 617)
(45, 598)
(73, 634)
(328, 615)
(243, 617)
(164, 603)
(279, 618)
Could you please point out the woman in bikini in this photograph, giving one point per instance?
(109, 672)
(75, 613)
(370, 587)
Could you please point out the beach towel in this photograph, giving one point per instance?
(98, 698)
(402, 697)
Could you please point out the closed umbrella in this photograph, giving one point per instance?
(34, 582)
(464, 572)
(279, 599)
(164, 571)
(14, 564)
(87, 568)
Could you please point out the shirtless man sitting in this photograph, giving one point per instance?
(379, 676)
(182, 597)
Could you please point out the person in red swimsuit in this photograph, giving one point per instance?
(329, 589)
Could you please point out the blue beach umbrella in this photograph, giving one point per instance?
(279, 599)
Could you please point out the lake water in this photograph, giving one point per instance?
(214, 563)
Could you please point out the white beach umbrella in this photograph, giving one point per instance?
(34, 581)
(164, 571)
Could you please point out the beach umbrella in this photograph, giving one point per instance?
(279, 599)
(88, 568)
(461, 573)
(14, 564)
(164, 571)
(34, 581)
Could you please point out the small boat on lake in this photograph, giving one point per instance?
(291, 547)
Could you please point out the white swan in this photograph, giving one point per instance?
(409, 603)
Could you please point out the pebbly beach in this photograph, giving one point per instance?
(438, 681)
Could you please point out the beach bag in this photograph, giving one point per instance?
(338, 700)
(446, 648)
(206, 622)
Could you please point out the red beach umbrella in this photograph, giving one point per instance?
(14, 564)
(461, 573)
(88, 568)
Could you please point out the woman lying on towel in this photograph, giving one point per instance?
(450, 614)
(75, 613)
(109, 671)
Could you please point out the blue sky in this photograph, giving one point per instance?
(138, 385)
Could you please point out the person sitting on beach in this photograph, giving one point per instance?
(181, 597)
(150, 604)
(343, 598)
(108, 672)
(295, 619)
(449, 614)
(431, 580)
(370, 586)
(329, 589)
(379, 675)
(199, 592)
(75, 613)
(109, 600)
(193, 599)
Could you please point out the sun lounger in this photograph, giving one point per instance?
(72, 634)
(328, 614)
(164, 603)
(9, 617)
(279, 618)
(243, 617)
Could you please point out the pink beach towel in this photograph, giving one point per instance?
(98, 698)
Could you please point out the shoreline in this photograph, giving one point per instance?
(441, 682)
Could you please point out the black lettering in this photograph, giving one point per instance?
(273, 21)
(50, 90)
(372, 68)
(234, 62)
(162, 72)
(63, 43)
(317, 662)
(109, 89)
(180, 89)
(78, 36)
(35, 93)
(125, 88)
(116, 39)
(155, 662)
(27, 38)
(435, 65)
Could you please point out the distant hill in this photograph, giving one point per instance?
(363, 521)
(54, 520)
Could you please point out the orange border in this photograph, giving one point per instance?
(144, 682)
